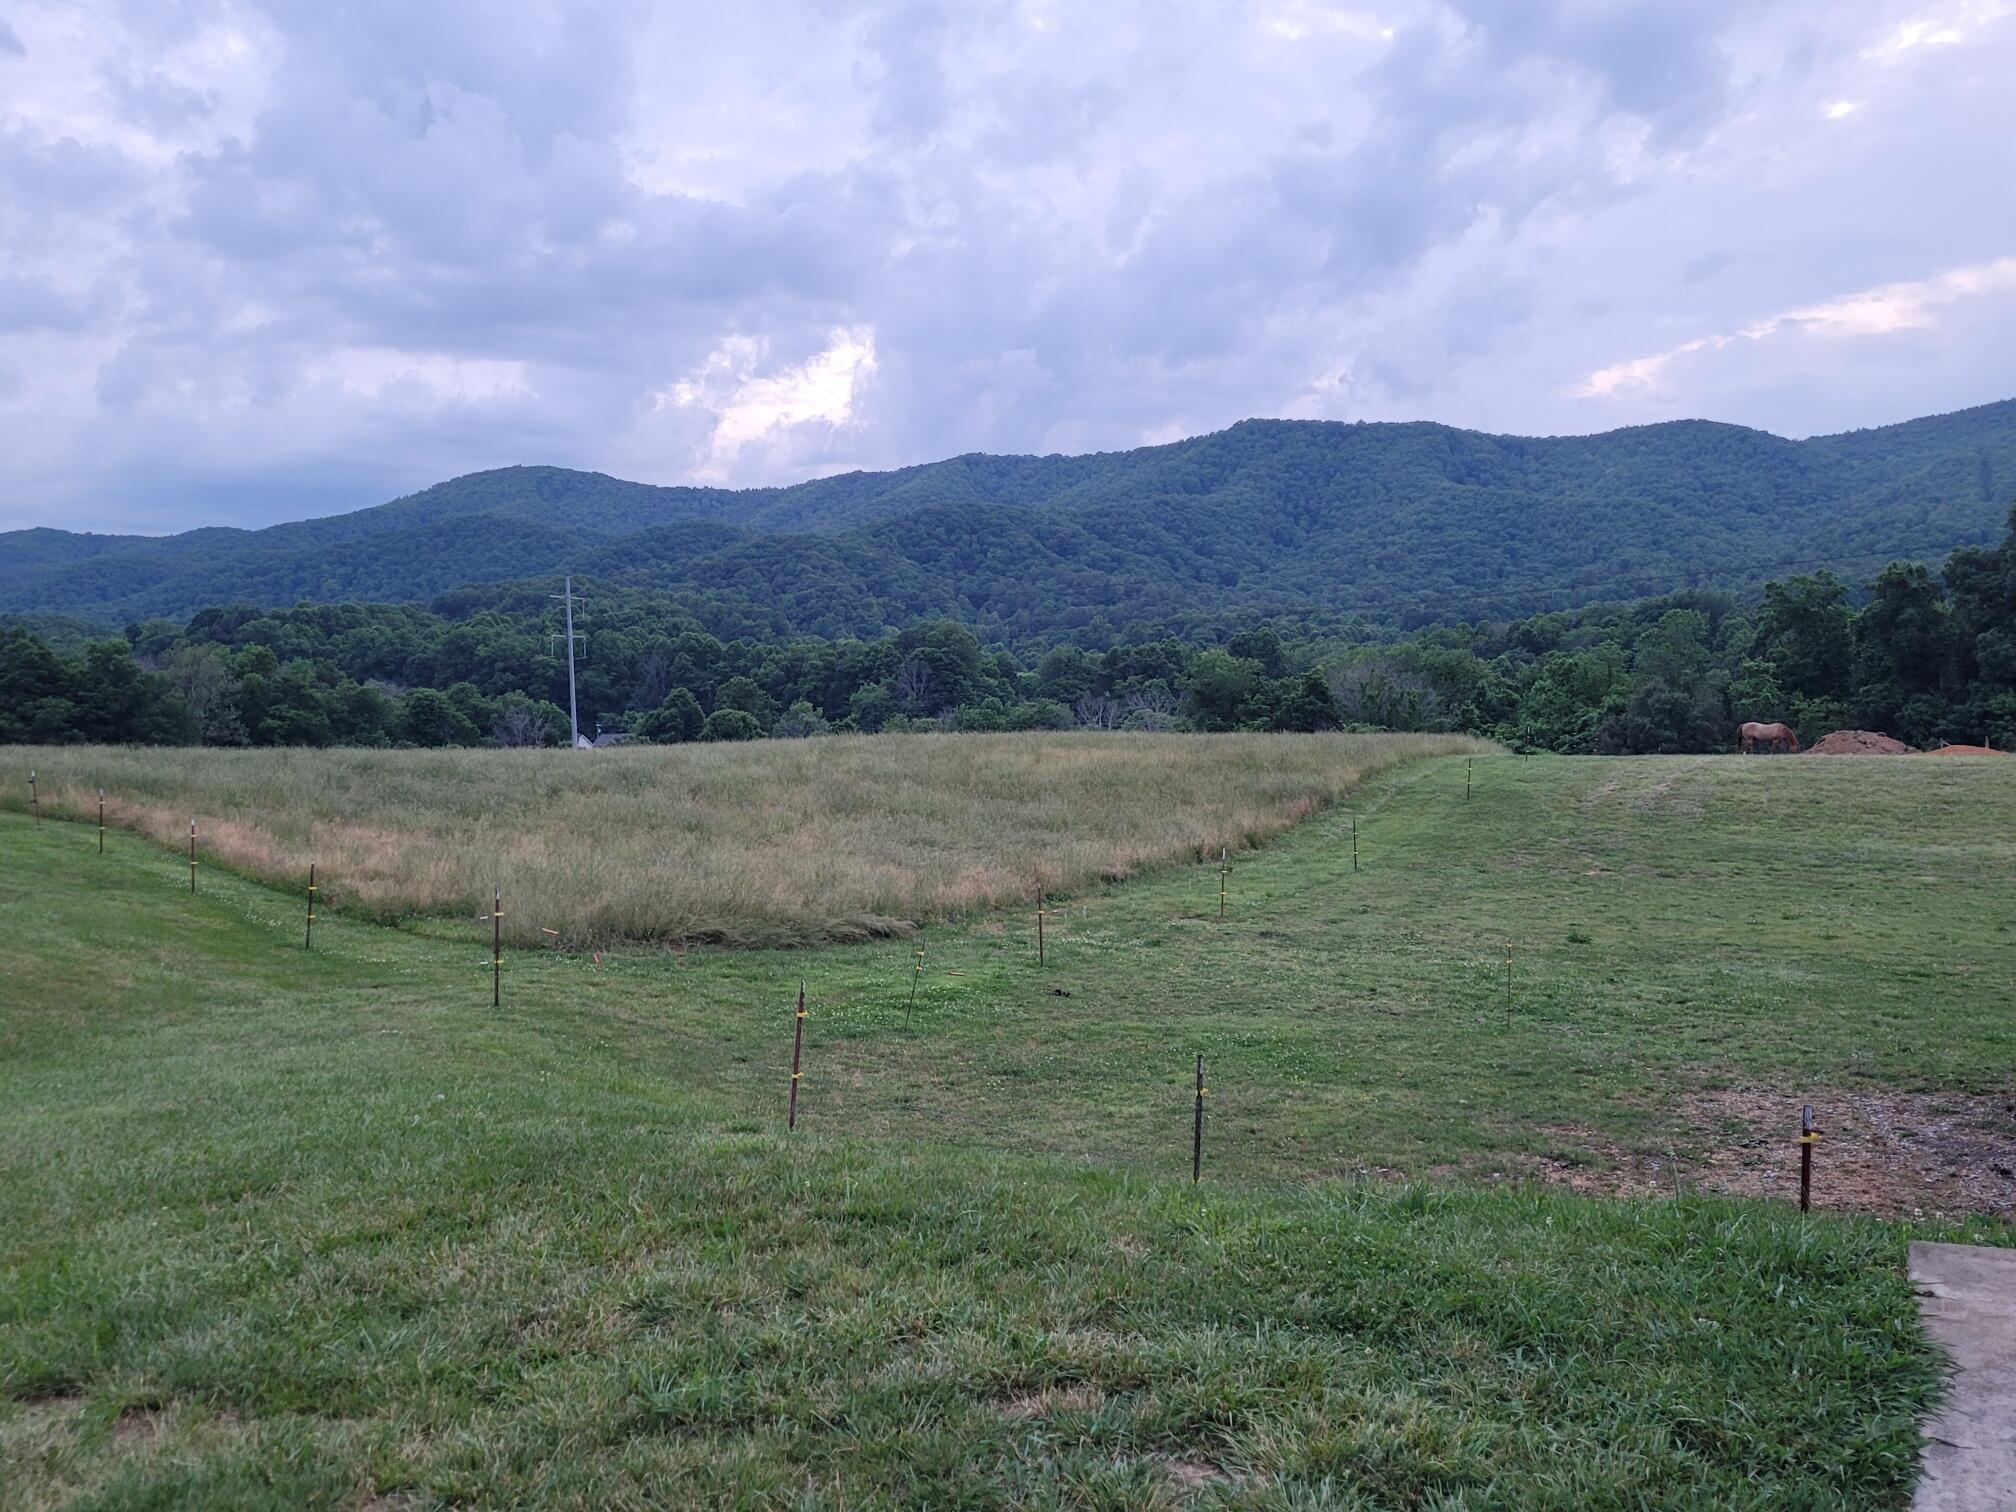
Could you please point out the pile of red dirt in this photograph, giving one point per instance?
(1858, 743)
(1964, 751)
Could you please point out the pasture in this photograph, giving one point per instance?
(299, 1227)
(772, 843)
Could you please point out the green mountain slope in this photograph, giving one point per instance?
(1408, 522)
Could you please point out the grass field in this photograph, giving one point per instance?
(770, 843)
(302, 1228)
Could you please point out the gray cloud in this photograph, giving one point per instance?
(263, 261)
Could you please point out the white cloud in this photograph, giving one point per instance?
(750, 408)
(1912, 34)
(1300, 18)
(1881, 311)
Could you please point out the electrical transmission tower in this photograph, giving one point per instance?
(573, 712)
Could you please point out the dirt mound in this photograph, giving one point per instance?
(1964, 751)
(1858, 743)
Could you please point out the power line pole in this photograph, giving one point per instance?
(573, 714)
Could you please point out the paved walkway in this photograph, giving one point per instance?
(1967, 1294)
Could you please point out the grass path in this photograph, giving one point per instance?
(289, 1229)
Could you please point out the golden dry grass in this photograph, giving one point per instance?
(777, 842)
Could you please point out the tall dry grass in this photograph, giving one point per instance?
(770, 843)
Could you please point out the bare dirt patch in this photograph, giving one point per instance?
(1191, 1472)
(136, 1426)
(1900, 1154)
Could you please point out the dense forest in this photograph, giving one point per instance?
(1406, 524)
(1924, 656)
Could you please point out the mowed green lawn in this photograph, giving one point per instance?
(295, 1229)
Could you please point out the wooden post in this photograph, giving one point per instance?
(34, 797)
(1224, 871)
(1197, 1129)
(1469, 763)
(1354, 845)
(1808, 1135)
(101, 821)
(497, 947)
(916, 974)
(192, 855)
(308, 940)
(1039, 926)
(797, 1051)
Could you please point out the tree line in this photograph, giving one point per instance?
(1923, 656)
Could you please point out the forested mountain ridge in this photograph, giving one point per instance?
(1404, 522)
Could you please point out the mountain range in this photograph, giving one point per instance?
(1399, 522)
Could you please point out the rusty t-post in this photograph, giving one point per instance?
(797, 1051)
(1197, 1129)
(1808, 1137)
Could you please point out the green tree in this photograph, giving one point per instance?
(1756, 694)
(31, 675)
(1065, 674)
(361, 715)
(799, 721)
(521, 721)
(871, 707)
(113, 696)
(1674, 651)
(731, 724)
(1904, 653)
(1806, 632)
(1261, 647)
(1660, 719)
(1302, 703)
(429, 719)
(942, 667)
(1570, 696)
(201, 677)
(1220, 684)
(676, 719)
(1038, 714)
(746, 694)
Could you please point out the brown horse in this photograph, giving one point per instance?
(1775, 737)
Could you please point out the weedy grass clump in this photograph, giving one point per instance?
(767, 843)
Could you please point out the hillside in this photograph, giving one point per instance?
(1406, 522)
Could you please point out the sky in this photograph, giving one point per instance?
(265, 261)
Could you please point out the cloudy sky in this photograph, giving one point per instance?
(259, 261)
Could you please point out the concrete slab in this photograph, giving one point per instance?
(1967, 1296)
